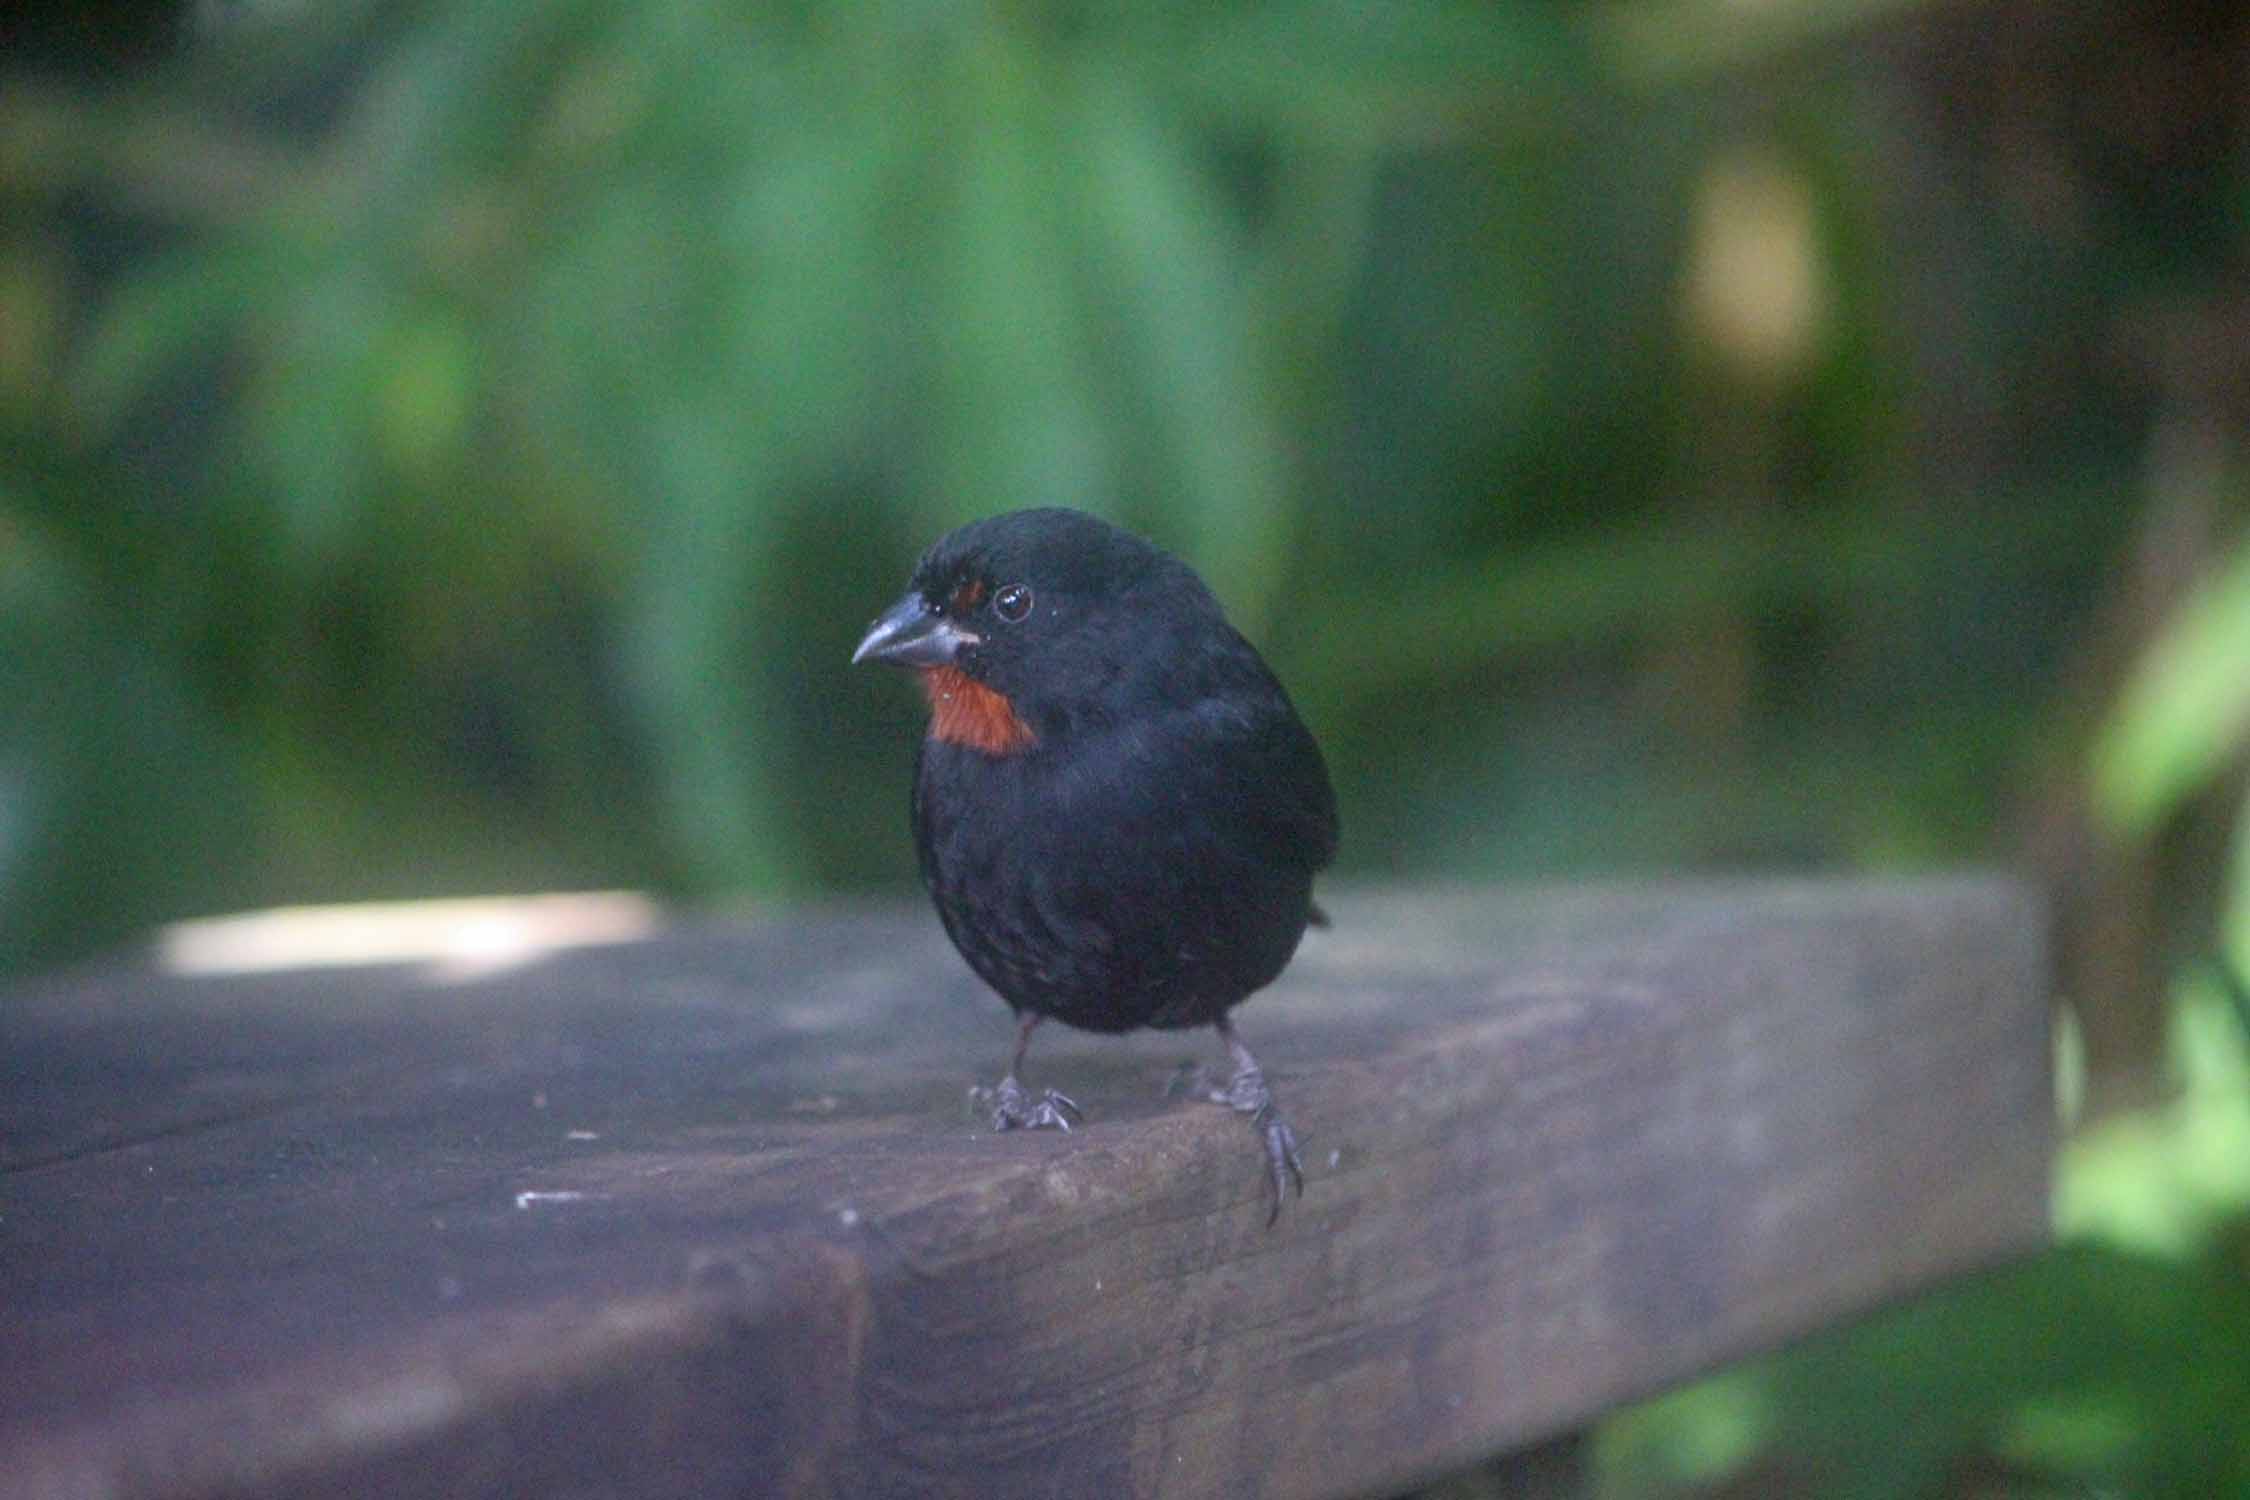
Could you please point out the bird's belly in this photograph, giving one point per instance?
(1114, 942)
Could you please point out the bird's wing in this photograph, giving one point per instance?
(1267, 778)
(1213, 781)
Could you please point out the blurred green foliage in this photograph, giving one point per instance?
(2185, 715)
(2112, 1366)
(454, 446)
(486, 426)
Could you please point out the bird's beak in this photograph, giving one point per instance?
(912, 634)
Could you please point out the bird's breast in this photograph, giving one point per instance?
(964, 712)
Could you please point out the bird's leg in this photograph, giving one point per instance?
(1246, 1094)
(1015, 1109)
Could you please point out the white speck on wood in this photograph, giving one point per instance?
(530, 1196)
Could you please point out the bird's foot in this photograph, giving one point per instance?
(1246, 1094)
(1013, 1108)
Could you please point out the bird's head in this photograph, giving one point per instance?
(1023, 625)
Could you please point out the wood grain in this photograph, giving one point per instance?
(706, 1214)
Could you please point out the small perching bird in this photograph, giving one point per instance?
(1118, 812)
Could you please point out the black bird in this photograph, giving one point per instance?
(1117, 810)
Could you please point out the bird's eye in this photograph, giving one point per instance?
(1012, 603)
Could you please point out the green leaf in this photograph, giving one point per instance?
(1694, 1437)
(187, 306)
(2184, 713)
(309, 423)
(1157, 234)
(1019, 423)
(1358, 72)
(122, 801)
(2166, 1180)
(694, 649)
(425, 388)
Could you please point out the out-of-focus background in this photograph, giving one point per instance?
(453, 447)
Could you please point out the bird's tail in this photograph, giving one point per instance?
(1317, 917)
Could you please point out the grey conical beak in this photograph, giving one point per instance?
(912, 634)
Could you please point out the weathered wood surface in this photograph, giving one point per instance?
(284, 1233)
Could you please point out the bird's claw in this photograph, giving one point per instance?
(1013, 1108)
(1246, 1094)
(1281, 1163)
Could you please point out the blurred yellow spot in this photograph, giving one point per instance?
(1754, 291)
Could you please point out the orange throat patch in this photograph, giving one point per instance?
(963, 711)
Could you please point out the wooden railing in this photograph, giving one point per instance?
(705, 1213)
